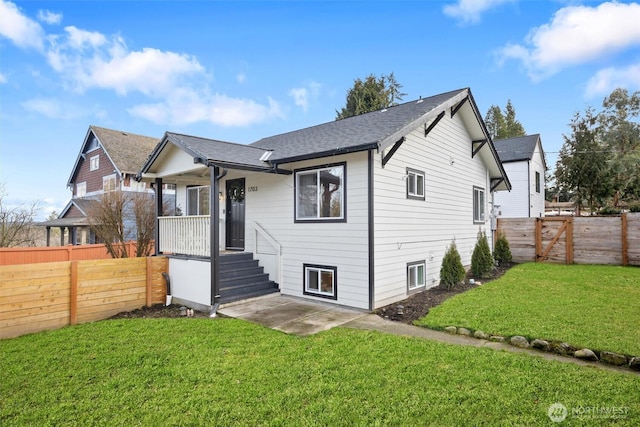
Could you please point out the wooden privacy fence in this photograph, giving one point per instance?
(12, 256)
(37, 297)
(579, 240)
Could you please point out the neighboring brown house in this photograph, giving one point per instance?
(108, 160)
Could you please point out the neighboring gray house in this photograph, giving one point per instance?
(358, 211)
(108, 160)
(523, 160)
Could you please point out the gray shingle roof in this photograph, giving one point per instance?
(351, 134)
(127, 150)
(516, 149)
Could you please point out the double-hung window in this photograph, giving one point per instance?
(94, 163)
(415, 184)
(198, 200)
(478, 205)
(109, 183)
(320, 194)
(416, 272)
(320, 280)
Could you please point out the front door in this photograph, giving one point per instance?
(235, 214)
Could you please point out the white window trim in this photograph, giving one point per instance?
(108, 178)
(343, 194)
(479, 207)
(94, 163)
(412, 272)
(320, 269)
(81, 189)
(414, 175)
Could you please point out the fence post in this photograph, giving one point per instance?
(569, 242)
(149, 281)
(538, 237)
(69, 250)
(625, 243)
(73, 297)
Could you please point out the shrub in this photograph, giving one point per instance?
(452, 271)
(481, 259)
(609, 210)
(635, 207)
(502, 252)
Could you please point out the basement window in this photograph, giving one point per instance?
(416, 272)
(320, 281)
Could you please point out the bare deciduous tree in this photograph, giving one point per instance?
(117, 217)
(16, 223)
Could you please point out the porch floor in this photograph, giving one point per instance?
(291, 315)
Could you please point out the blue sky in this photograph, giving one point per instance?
(240, 71)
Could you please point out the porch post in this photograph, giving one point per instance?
(214, 236)
(62, 231)
(156, 233)
(48, 236)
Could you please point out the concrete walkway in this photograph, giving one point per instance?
(303, 317)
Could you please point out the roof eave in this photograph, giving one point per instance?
(329, 153)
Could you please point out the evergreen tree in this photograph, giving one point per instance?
(503, 124)
(481, 259)
(372, 94)
(452, 271)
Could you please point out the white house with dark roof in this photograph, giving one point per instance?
(523, 160)
(358, 211)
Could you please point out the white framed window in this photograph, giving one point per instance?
(478, 205)
(415, 184)
(320, 194)
(81, 189)
(320, 280)
(94, 163)
(537, 182)
(416, 273)
(109, 183)
(198, 200)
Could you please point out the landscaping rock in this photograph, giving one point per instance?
(586, 354)
(451, 330)
(613, 358)
(541, 345)
(464, 331)
(634, 363)
(481, 335)
(563, 349)
(519, 341)
(497, 338)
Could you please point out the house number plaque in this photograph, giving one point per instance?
(252, 189)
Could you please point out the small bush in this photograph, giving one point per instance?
(609, 210)
(635, 207)
(481, 259)
(452, 271)
(502, 252)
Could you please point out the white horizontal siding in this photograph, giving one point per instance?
(515, 203)
(408, 230)
(537, 199)
(341, 245)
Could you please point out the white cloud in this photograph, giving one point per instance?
(470, 11)
(575, 35)
(49, 17)
(187, 106)
(241, 78)
(302, 95)
(55, 109)
(3, 79)
(608, 79)
(21, 30)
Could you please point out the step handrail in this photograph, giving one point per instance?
(259, 229)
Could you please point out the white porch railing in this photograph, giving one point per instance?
(186, 235)
(270, 257)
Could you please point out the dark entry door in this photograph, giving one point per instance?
(235, 214)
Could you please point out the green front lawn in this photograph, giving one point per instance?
(220, 372)
(593, 306)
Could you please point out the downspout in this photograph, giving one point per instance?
(214, 236)
(529, 188)
(370, 237)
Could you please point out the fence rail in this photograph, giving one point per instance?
(579, 240)
(14, 256)
(37, 297)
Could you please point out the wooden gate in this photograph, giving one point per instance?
(554, 239)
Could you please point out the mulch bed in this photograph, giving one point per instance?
(413, 308)
(418, 305)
